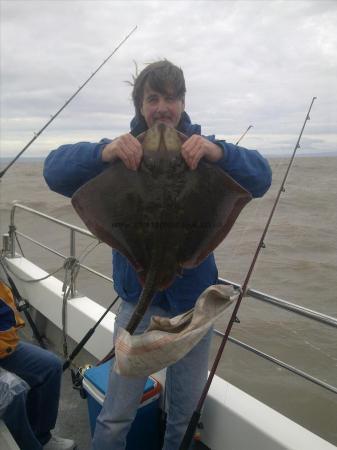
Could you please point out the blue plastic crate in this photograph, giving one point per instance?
(144, 433)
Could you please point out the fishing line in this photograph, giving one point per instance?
(18, 242)
(187, 439)
(36, 135)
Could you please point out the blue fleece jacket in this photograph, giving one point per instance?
(70, 166)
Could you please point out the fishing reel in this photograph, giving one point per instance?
(77, 379)
(22, 304)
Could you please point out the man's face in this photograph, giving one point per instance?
(165, 108)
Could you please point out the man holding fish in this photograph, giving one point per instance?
(159, 98)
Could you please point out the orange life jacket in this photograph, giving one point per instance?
(10, 321)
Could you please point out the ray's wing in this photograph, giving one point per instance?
(111, 206)
(209, 203)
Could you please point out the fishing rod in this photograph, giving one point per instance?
(36, 135)
(87, 336)
(22, 305)
(244, 134)
(187, 439)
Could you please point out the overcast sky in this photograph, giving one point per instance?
(245, 62)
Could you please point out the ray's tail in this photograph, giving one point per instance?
(145, 299)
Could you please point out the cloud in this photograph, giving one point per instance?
(245, 63)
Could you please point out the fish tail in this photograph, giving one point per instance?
(145, 299)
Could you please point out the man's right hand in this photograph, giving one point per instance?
(125, 147)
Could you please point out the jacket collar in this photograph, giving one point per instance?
(138, 125)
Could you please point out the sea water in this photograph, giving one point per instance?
(298, 264)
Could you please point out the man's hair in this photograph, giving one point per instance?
(161, 76)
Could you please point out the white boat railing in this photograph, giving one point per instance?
(9, 246)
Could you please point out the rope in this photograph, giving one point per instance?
(35, 280)
(72, 267)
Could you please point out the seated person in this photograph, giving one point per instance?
(32, 415)
(13, 397)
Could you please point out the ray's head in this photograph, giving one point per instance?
(159, 94)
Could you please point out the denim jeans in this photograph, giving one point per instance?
(42, 370)
(18, 424)
(184, 383)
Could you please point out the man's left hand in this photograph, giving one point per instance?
(197, 147)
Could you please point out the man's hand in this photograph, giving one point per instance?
(197, 147)
(125, 147)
